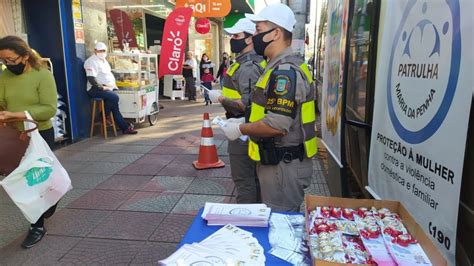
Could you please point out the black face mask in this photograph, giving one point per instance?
(236, 46)
(258, 44)
(17, 69)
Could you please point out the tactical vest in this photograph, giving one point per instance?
(307, 108)
(228, 87)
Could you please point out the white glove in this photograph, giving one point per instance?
(214, 95)
(236, 120)
(231, 130)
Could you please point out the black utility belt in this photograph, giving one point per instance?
(229, 115)
(271, 155)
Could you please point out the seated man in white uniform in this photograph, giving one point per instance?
(101, 84)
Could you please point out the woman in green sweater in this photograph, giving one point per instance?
(26, 85)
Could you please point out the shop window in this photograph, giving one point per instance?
(359, 96)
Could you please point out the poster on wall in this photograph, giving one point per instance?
(333, 76)
(424, 88)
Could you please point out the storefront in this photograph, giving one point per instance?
(73, 27)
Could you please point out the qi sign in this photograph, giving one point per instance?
(206, 8)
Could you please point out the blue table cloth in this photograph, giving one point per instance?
(199, 230)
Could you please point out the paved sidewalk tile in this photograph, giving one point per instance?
(168, 184)
(190, 204)
(136, 149)
(124, 182)
(4, 198)
(101, 200)
(147, 141)
(105, 147)
(173, 228)
(11, 219)
(180, 140)
(168, 150)
(128, 225)
(184, 159)
(211, 186)
(151, 158)
(87, 181)
(48, 252)
(71, 196)
(102, 251)
(178, 170)
(151, 202)
(101, 168)
(192, 150)
(72, 222)
(121, 157)
(152, 252)
(6, 237)
(142, 169)
(215, 172)
(74, 166)
(84, 156)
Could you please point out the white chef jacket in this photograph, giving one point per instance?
(100, 69)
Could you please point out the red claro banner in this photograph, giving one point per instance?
(202, 25)
(123, 28)
(175, 35)
(207, 8)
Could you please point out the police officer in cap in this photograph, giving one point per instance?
(282, 119)
(235, 98)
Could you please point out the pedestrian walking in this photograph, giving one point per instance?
(282, 118)
(28, 85)
(223, 68)
(206, 70)
(237, 85)
(190, 75)
(101, 84)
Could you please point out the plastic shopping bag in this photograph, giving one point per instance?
(40, 180)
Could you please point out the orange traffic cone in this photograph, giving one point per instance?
(207, 151)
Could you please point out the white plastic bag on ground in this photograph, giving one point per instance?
(40, 180)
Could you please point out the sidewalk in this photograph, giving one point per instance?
(134, 196)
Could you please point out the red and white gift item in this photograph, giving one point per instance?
(348, 214)
(362, 236)
(404, 249)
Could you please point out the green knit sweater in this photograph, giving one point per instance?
(33, 91)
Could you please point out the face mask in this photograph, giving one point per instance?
(17, 69)
(258, 44)
(102, 55)
(236, 46)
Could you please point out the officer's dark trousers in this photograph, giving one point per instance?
(243, 172)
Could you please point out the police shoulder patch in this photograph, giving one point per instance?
(281, 93)
(281, 85)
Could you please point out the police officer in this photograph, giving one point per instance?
(282, 119)
(237, 83)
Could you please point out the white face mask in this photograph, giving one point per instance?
(102, 55)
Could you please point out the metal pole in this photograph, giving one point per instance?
(299, 8)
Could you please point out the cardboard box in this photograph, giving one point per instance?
(311, 202)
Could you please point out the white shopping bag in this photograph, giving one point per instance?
(40, 180)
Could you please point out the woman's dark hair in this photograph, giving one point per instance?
(21, 48)
(204, 54)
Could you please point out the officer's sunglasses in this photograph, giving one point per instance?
(9, 61)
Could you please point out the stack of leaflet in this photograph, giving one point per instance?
(237, 214)
(228, 246)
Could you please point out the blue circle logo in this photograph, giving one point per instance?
(423, 69)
